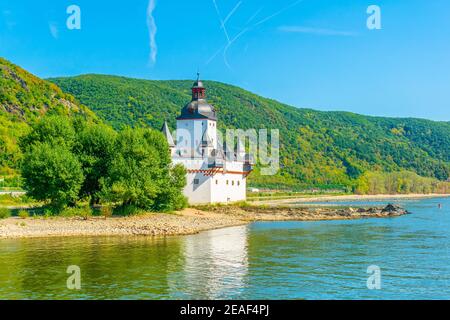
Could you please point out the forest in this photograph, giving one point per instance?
(324, 150)
(318, 149)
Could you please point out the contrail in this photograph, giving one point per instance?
(53, 29)
(151, 24)
(232, 12)
(317, 31)
(254, 16)
(245, 30)
(225, 50)
(221, 20)
(214, 55)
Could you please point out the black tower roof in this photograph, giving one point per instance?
(198, 108)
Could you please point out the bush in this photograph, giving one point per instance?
(127, 210)
(66, 161)
(84, 212)
(5, 213)
(242, 204)
(141, 174)
(53, 173)
(48, 213)
(106, 211)
(23, 214)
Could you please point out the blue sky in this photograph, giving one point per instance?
(311, 53)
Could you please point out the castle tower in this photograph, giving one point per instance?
(166, 132)
(196, 126)
(211, 177)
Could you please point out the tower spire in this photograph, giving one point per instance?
(166, 132)
(198, 90)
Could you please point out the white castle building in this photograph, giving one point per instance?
(214, 173)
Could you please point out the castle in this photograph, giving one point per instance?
(215, 174)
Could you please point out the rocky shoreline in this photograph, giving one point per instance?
(257, 213)
(306, 200)
(188, 221)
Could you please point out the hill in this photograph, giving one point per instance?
(321, 149)
(24, 98)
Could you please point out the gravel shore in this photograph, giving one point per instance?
(188, 221)
(296, 200)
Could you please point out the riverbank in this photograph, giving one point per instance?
(188, 221)
(296, 200)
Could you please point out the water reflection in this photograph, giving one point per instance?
(209, 265)
(111, 267)
(282, 260)
(216, 264)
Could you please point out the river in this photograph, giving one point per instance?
(263, 260)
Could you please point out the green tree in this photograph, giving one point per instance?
(94, 148)
(141, 173)
(316, 148)
(52, 173)
(170, 197)
(52, 129)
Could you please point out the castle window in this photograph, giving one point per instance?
(196, 181)
(239, 183)
(227, 182)
(232, 183)
(217, 181)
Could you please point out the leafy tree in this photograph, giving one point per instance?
(52, 173)
(94, 148)
(402, 182)
(24, 99)
(55, 130)
(141, 173)
(171, 198)
(316, 148)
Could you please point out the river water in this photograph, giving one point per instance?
(264, 260)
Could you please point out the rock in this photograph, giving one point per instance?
(391, 207)
(394, 209)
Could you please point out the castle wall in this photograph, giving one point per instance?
(206, 182)
(228, 187)
(198, 188)
(190, 133)
(222, 187)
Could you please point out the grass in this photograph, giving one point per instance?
(5, 213)
(212, 206)
(83, 212)
(106, 211)
(127, 210)
(8, 200)
(255, 196)
(23, 214)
